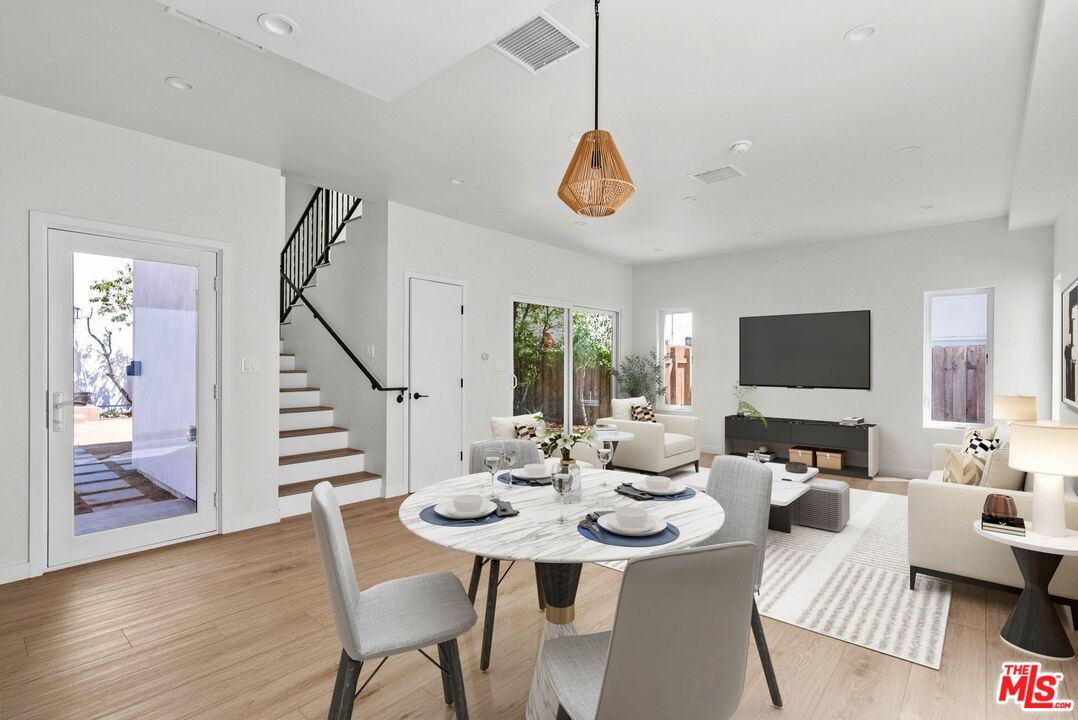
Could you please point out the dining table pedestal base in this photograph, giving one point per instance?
(560, 582)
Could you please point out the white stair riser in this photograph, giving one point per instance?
(300, 503)
(308, 398)
(281, 349)
(298, 472)
(313, 443)
(305, 420)
(293, 379)
(288, 362)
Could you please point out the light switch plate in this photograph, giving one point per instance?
(499, 365)
(248, 365)
(370, 351)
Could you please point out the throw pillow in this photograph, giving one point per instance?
(962, 468)
(621, 408)
(525, 432)
(643, 413)
(978, 444)
(998, 472)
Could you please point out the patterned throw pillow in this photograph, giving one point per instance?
(643, 413)
(978, 444)
(525, 432)
(963, 469)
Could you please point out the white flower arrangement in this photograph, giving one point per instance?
(561, 441)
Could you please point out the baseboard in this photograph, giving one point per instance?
(714, 450)
(235, 523)
(12, 573)
(904, 473)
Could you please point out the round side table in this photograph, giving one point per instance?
(1034, 626)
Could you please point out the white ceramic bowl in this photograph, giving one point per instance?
(658, 483)
(535, 469)
(465, 504)
(631, 518)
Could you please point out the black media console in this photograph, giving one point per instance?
(859, 443)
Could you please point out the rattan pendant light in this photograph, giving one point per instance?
(596, 183)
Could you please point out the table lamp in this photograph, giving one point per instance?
(1015, 408)
(1050, 451)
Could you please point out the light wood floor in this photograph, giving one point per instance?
(238, 626)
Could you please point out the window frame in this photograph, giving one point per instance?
(659, 346)
(926, 351)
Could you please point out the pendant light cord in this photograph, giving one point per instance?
(596, 64)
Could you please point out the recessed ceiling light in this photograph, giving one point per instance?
(575, 137)
(741, 147)
(926, 207)
(908, 150)
(276, 24)
(757, 234)
(457, 181)
(179, 83)
(580, 222)
(690, 198)
(656, 249)
(859, 33)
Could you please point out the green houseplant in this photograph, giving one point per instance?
(744, 407)
(641, 376)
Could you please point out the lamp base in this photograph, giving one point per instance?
(1049, 516)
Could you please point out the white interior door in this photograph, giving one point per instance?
(435, 381)
(132, 418)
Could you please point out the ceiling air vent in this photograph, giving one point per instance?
(726, 172)
(538, 43)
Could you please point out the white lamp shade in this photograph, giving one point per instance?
(1020, 408)
(1048, 448)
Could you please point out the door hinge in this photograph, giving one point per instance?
(461, 309)
(462, 382)
(215, 498)
(215, 391)
(462, 456)
(215, 288)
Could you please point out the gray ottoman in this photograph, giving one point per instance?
(825, 506)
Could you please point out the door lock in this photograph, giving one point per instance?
(416, 396)
(58, 412)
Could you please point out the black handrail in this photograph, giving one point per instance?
(375, 385)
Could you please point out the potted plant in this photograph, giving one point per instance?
(744, 407)
(641, 376)
(562, 442)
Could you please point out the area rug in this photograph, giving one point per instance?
(854, 585)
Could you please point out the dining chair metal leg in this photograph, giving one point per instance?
(344, 689)
(488, 620)
(539, 588)
(456, 679)
(765, 657)
(477, 572)
(447, 680)
(562, 715)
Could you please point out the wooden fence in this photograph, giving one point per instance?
(679, 375)
(592, 390)
(958, 383)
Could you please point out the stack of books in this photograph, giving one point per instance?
(852, 421)
(1006, 525)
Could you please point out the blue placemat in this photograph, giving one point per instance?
(670, 534)
(434, 518)
(504, 476)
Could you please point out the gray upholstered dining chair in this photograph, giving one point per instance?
(679, 644)
(387, 619)
(743, 488)
(527, 453)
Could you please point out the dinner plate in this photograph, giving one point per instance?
(676, 487)
(610, 522)
(446, 510)
(521, 475)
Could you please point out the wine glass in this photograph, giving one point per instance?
(563, 485)
(605, 453)
(509, 454)
(493, 464)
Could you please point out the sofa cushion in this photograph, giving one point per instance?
(980, 441)
(676, 443)
(999, 474)
(963, 469)
(505, 428)
(643, 413)
(935, 476)
(621, 408)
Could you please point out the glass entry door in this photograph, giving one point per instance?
(131, 410)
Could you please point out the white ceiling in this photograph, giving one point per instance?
(681, 81)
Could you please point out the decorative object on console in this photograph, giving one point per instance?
(806, 456)
(596, 183)
(1069, 343)
(830, 459)
(744, 407)
(1050, 451)
(643, 412)
(1014, 408)
(640, 375)
(852, 421)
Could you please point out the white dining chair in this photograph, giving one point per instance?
(743, 488)
(678, 647)
(387, 619)
(527, 453)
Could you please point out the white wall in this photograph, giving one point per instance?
(494, 268)
(1066, 266)
(59, 163)
(887, 274)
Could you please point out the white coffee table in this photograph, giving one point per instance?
(786, 487)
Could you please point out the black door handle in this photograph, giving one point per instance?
(416, 396)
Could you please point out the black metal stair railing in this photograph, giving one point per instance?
(307, 250)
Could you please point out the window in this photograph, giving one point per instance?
(675, 343)
(958, 346)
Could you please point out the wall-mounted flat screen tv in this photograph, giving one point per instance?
(814, 350)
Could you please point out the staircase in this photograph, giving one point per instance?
(312, 448)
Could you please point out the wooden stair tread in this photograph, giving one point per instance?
(291, 372)
(306, 389)
(320, 455)
(306, 408)
(312, 431)
(336, 481)
(288, 354)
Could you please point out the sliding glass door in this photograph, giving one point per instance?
(563, 380)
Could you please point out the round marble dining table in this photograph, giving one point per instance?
(558, 550)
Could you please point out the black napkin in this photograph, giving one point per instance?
(504, 508)
(628, 490)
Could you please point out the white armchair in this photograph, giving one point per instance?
(669, 443)
(504, 428)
